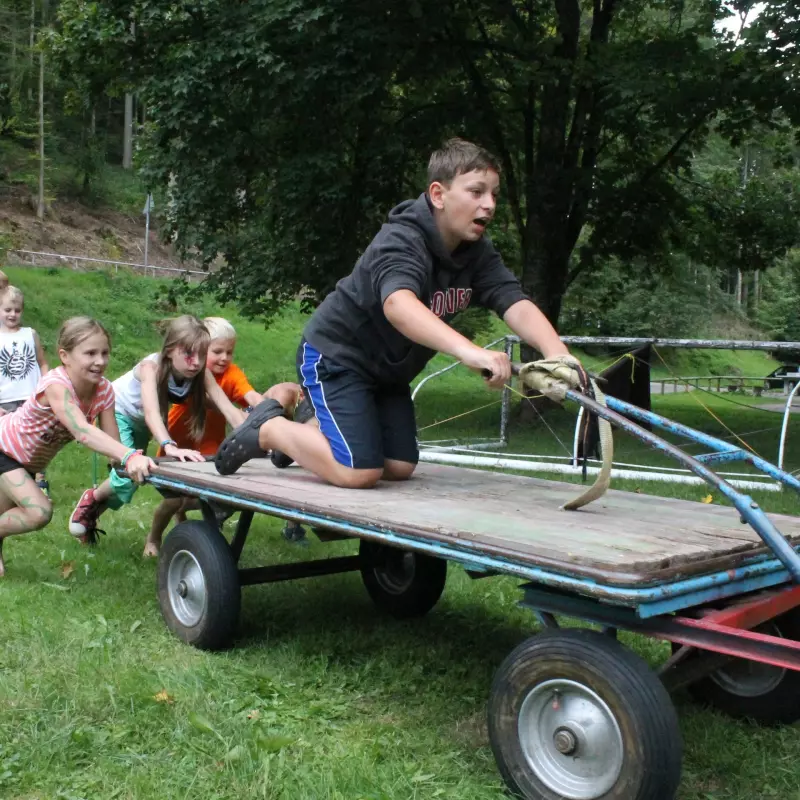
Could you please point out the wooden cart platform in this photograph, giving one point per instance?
(625, 539)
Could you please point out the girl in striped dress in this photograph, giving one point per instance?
(65, 405)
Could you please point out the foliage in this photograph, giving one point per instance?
(636, 299)
(779, 311)
(286, 130)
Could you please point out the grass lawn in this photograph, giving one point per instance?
(322, 697)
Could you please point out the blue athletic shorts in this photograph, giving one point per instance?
(365, 423)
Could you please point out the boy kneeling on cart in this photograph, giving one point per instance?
(381, 325)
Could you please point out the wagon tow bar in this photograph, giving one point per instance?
(722, 452)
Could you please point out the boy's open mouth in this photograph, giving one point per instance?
(481, 222)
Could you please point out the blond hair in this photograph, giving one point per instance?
(456, 157)
(12, 293)
(76, 330)
(189, 333)
(219, 328)
(3, 281)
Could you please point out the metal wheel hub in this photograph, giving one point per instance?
(395, 574)
(745, 678)
(187, 588)
(570, 739)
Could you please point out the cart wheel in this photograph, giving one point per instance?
(402, 583)
(573, 715)
(198, 585)
(760, 692)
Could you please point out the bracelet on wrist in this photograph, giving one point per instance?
(129, 455)
(168, 442)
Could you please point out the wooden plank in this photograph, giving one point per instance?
(623, 539)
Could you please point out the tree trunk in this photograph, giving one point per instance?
(756, 291)
(739, 288)
(127, 134)
(30, 48)
(40, 204)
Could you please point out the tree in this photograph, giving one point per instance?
(289, 127)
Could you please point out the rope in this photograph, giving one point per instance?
(553, 377)
(463, 414)
(704, 406)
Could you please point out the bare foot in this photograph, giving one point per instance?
(2, 563)
(151, 549)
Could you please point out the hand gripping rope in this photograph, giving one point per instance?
(554, 378)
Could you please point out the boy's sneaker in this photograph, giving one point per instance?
(83, 522)
(43, 484)
(303, 413)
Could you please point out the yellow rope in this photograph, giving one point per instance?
(693, 395)
(480, 408)
(464, 414)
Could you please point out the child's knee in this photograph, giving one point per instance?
(349, 478)
(38, 515)
(122, 491)
(284, 393)
(398, 470)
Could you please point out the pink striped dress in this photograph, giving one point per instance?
(33, 433)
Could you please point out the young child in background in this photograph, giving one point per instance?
(62, 407)
(234, 384)
(143, 396)
(22, 360)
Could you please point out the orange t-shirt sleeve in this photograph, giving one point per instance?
(235, 385)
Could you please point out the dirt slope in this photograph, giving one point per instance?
(71, 228)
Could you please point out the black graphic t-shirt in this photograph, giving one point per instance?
(350, 327)
(19, 369)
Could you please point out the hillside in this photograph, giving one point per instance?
(106, 223)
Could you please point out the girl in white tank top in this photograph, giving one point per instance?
(143, 396)
(22, 361)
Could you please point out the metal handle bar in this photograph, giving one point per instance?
(749, 510)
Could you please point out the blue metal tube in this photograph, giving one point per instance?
(744, 504)
(758, 572)
(731, 452)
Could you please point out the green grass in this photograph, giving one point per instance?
(321, 697)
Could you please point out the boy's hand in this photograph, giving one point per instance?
(287, 394)
(497, 364)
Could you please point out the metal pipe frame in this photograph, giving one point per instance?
(700, 344)
(749, 510)
(723, 451)
(725, 632)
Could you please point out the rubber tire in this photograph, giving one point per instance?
(641, 706)
(216, 628)
(778, 706)
(415, 600)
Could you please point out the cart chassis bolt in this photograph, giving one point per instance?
(565, 741)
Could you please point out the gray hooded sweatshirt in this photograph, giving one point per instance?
(350, 328)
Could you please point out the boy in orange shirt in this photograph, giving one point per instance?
(238, 390)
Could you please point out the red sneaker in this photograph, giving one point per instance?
(83, 522)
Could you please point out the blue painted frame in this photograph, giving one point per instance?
(648, 601)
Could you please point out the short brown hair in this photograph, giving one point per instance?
(457, 156)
